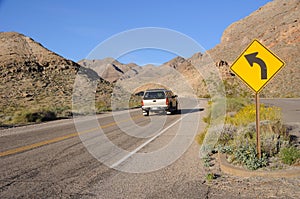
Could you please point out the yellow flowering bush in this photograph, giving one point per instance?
(248, 114)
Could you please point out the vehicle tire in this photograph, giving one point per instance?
(169, 110)
(177, 110)
(146, 113)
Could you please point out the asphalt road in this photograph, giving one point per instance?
(68, 159)
(290, 108)
(63, 159)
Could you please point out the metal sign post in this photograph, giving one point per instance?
(258, 148)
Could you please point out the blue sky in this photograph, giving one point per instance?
(73, 28)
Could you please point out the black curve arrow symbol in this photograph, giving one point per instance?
(252, 58)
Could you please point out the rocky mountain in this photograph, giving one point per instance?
(109, 68)
(178, 74)
(276, 25)
(34, 79)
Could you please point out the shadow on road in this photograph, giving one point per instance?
(179, 112)
(187, 111)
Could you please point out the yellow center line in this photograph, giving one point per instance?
(58, 139)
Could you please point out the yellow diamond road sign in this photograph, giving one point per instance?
(257, 65)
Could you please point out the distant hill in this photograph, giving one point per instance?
(110, 69)
(276, 25)
(34, 79)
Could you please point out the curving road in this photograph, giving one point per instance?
(57, 160)
(62, 160)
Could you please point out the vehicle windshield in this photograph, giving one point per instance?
(154, 95)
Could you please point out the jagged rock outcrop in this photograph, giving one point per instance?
(34, 78)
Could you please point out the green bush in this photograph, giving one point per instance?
(247, 156)
(31, 116)
(210, 176)
(225, 149)
(206, 160)
(40, 116)
(289, 155)
(237, 103)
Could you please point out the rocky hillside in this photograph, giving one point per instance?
(277, 26)
(34, 79)
(195, 75)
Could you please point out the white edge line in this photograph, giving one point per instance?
(144, 144)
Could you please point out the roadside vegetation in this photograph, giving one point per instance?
(23, 116)
(238, 136)
(37, 115)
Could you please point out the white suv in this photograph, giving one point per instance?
(156, 100)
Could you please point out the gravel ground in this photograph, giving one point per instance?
(228, 186)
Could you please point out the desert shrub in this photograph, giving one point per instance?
(235, 104)
(227, 134)
(234, 89)
(232, 105)
(247, 156)
(247, 115)
(200, 137)
(135, 101)
(238, 137)
(207, 160)
(241, 142)
(272, 135)
(62, 111)
(242, 137)
(40, 116)
(206, 119)
(30, 116)
(204, 96)
(225, 149)
(101, 106)
(210, 176)
(289, 155)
